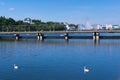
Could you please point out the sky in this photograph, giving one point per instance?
(71, 11)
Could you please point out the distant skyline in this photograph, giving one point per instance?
(71, 11)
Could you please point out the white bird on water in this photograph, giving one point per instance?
(85, 69)
(15, 66)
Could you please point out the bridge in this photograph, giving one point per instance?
(40, 34)
(49, 32)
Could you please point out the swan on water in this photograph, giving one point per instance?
(85, 69)
(15, 66)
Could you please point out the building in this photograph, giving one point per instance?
(81, 27)
(88, 26)
(96, 26)
(116, 27)
(99, 26)
(69, 28)
(109, 26)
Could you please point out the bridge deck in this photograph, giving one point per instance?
(60, 32)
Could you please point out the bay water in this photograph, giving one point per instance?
(60, 60)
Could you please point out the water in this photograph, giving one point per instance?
(60, 60)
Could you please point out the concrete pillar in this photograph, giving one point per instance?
(40, 36)
(16, 36)
(95, 36)
(66, 36)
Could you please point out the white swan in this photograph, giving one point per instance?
(85, 69)
(15, 66)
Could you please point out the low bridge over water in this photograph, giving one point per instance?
(40, 34)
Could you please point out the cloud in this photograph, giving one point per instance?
(11, 9)
(2, 3)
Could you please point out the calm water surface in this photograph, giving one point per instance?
(60, 60)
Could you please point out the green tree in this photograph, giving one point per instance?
(28, 24)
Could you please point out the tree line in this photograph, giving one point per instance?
(28, 24)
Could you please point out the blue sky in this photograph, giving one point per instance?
(71, 11)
